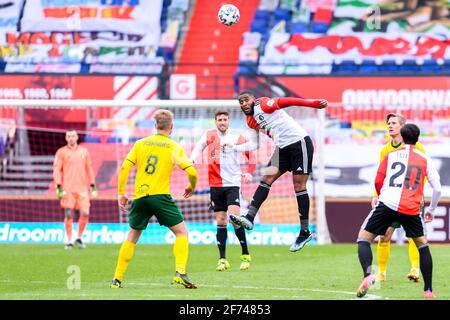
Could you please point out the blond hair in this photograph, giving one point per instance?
(401, 119)
(163, 119)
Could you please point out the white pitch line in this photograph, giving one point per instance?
(132, 294)
(369, 296)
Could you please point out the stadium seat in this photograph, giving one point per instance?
(368, 66)
(282, 14)
(259, 26)
(430, 66)
(445, 67)
(345, 67)
(409, 67)
(388, 67)
(345, 124)
(114, 139)
(261, 14)
(92, 139)
(2, 146)
(319, 27)
(299, 27)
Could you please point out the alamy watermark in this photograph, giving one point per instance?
(373, 21)
(74, 279)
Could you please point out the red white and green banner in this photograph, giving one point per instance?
(56, 36)
(132, 16)
(358, 30)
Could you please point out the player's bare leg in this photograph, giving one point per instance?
(260, 195)
(365, 238)
(68, 224)
(426, 266)
(221, 237)
(302, 196)
(125, 255)
(181, 252)
(383, 253)
(82, 222)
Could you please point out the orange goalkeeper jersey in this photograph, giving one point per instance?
(72, 169)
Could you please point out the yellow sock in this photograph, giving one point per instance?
(383, 252)
(125, 255)
(181, 252)
(414, 256)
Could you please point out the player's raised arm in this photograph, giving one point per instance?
(299, 102)
(269, 105)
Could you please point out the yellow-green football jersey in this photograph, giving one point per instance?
(388, 147)
(155, 156)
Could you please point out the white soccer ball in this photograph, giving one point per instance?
(228, 14)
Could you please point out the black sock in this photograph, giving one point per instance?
(426, 267)
(303, 209)
(221, 237)
(259, 197)
(240, 234)
(365, 256)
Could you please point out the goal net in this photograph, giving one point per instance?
(33, 130)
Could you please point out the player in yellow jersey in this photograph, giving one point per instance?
(155, 158)
(395, 122)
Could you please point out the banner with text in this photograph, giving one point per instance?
(111, 233)
(100, 15)
(56, 36)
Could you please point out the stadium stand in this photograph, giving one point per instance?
(273, 39)
(33, 44)
(211, 56)
(314, 36)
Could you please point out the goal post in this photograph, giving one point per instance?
(109, 130)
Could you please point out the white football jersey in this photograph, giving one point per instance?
(224, 168)
(280, 126)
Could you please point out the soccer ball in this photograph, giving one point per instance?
(228, 14)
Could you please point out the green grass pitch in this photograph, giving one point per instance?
(330, 272)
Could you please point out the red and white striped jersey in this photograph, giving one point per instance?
(400, 179)
(278, 125)
(224, 168)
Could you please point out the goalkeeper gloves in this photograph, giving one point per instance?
(94, 190)
(59, 192)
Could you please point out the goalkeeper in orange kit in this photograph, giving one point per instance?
(74, 180)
